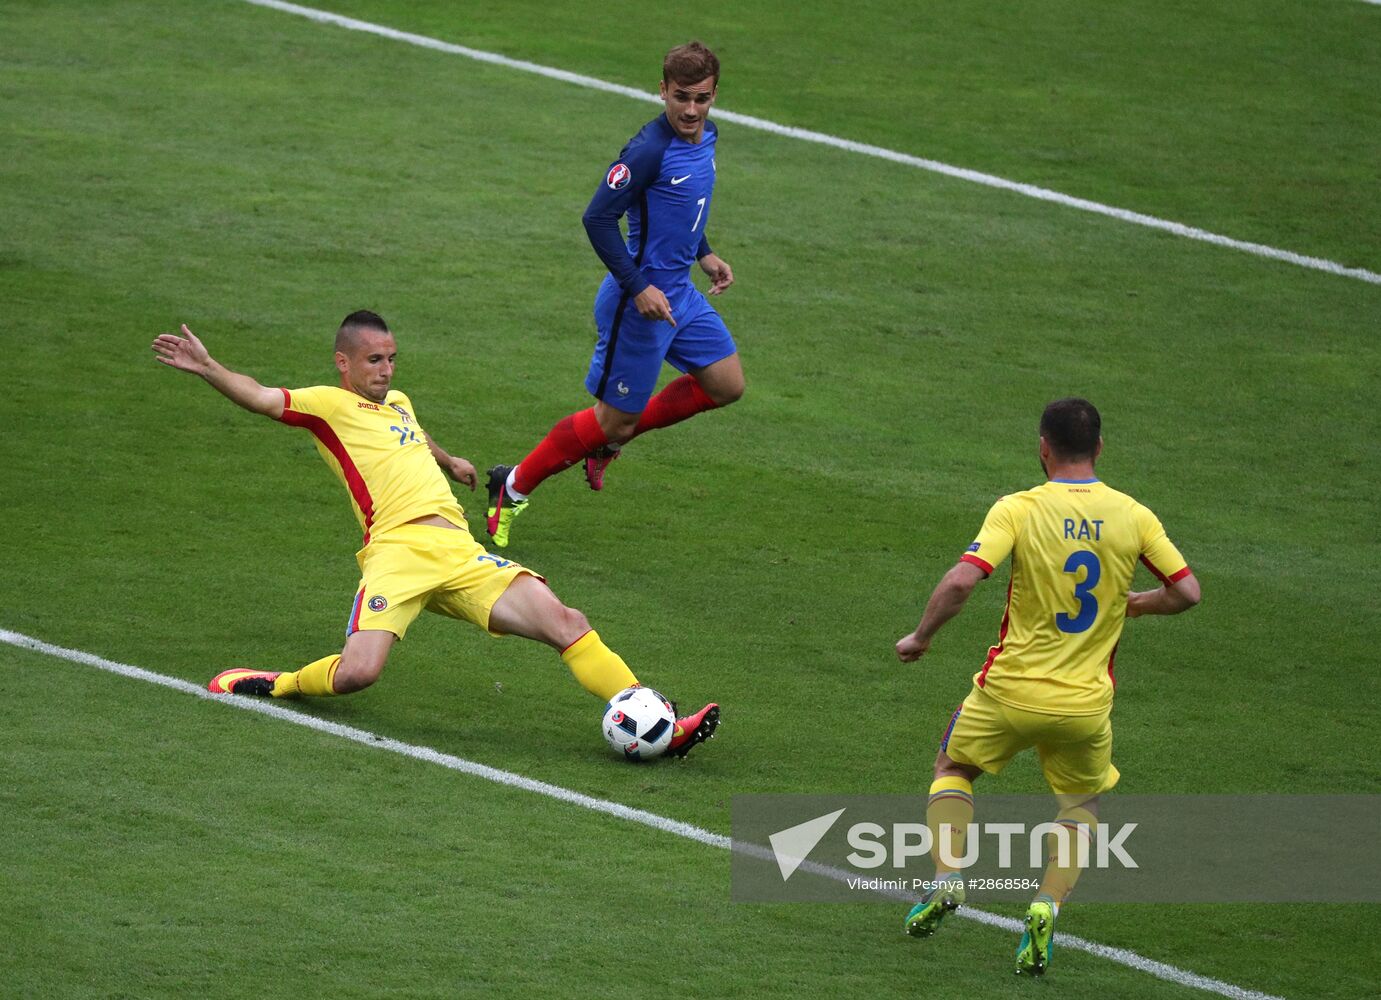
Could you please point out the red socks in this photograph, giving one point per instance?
(568, 442)
(681, 398)
(576, 436)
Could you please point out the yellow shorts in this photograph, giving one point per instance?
(416, 566)
(1075, 750)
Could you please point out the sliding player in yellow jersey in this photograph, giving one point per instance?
(417, 551)
(1048, 683)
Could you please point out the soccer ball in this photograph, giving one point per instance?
(639, 723)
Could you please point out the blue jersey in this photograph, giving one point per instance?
(664, 185)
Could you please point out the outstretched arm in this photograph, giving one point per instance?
(188, 354)
(945, 602)
(457, 468)
(1179, 596)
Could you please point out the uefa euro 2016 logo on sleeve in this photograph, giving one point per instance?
(619, 176)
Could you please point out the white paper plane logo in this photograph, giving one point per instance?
(792, 845)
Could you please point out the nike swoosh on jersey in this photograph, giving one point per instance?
(678, 180)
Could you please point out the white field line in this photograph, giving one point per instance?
(1120, 955)
(863, 148)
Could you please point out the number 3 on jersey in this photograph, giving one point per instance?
(1083, 592)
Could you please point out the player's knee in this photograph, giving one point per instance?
(571, 625)
(356, 675)
(946, 767)
(723, 395)
(618, 427)
(349, 683)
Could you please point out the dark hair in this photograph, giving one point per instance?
(690, 63)
(1072, 427)
(354, 324)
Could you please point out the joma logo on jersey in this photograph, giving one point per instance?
(369, 406)
(619, 176)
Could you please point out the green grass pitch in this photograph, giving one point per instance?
(258, 176)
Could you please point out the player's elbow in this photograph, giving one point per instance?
(595, 222)
(961, 579)
(269, 403)
(1188, 592)
(728, 392)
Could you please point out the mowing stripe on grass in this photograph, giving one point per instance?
(264, 707)
(863, 148)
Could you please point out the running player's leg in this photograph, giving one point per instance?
(977, 739)
(1067, 852)
(949, 811)
(1076, 756)
(722, 381)
(705, 351)
(623, 372)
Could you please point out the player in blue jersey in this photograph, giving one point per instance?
(647, 311)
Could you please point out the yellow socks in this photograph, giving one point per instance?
(1059, 879)
(951, 803)
(599, 669)
(315, 679)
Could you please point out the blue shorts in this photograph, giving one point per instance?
(630, 351)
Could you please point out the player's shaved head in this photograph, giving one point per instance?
(348, 336)
(1072, 428)
(690, 63)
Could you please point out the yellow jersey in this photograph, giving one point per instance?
(1074, 546)
(378, 451)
